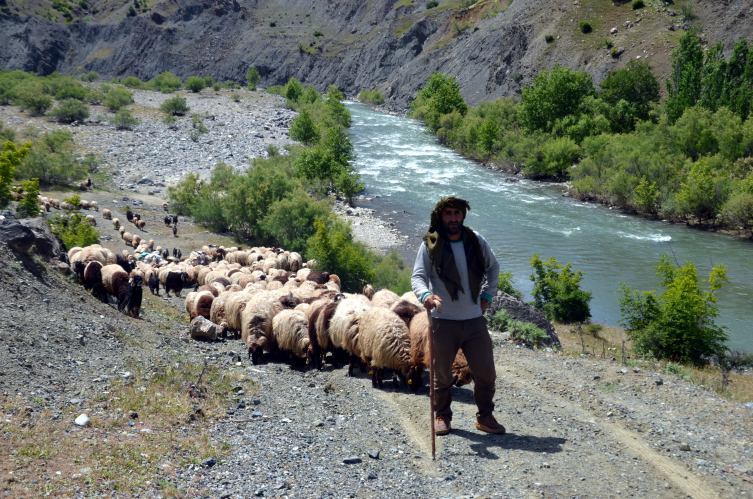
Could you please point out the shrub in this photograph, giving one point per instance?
(132, 82)
(73, 230)
(68, 88)
(585, 27)
(195, 84)
(74, 201)
(549, 38)
(124, 120)
(118, 98)
(293, 90)
(252, 77)
(615, 52)
(28, 207)
(556, 291)
(94, 97)
(372, 97)
(272, 24)
(335, 251)
(528, 333)
(70, 110)
(739, 209)
(236, 97)
(638, 4)
(687, 12)
(170, 121)
(6, 135)
(216, 87)
(275, 89)
(89, 77)
(166, 82)
(506, 285)
(432, 4)
(10, 159)
(208, 81)
(52, 160)
(289, 221)
(501, 320)
(32, 97)
(441, 95)
(175, 106)
(678, 324)
(318, 33)
(303, 129)
(272, 150)
(131, 11)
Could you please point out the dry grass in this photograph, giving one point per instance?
(44, 453)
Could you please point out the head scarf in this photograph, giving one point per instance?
(442, 257)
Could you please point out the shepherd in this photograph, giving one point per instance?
(456, 267)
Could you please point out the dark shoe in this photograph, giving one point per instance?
(442, 426)
(490, 425)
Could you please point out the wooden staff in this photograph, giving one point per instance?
(431, 383)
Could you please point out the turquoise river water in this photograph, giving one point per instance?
(407, 167)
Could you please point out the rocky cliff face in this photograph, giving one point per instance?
(492, 47)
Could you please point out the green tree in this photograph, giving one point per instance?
(252, 77)
(487, 134)
(290, 220)
(556, 291)
(391, 273)
(303, 128)
(635, 84)
(70, 110)
(337, 113)
(195, 84)
(28, 207)
(52, 160)
(133, 82)
(166, 82)
(506, 284)
(310, 95)
(118, 98)
(713, 78)
(684, 83)
(678, 324)
(739, 210)
(32, 97)
(183, 196)
(701, 195)
(73, 230)
(124, 120)
(293, 90)
(336, 252)
(647, 196)
(554, 95)
(175, 106)
(10, 158)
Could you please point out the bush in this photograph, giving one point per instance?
(73, 230)
(68, 88)
(166, 82)
(335, 251)
(208, 81)
(432, 4)
(303, 129)
(549, 38)
(585, 27)
(739, 210)
(275, 89)
(506, 285)
(32, 97)
(390, 272)
(132, 82)
(501, 320)
(170, 121)
(69, 111)
(556, 291)
(124, 120)
(252, 77)
(117, 98)
(10, 160)
(89, 77)
(236, 97)
(94, 97)
(74, 201)
(52, 160)
(28, 207)
(195, 84)
(272, 24)
(318, 33)
(372, 97)
(175, 106)
(441, 95)
(528, 333)
(678, 324)
(216, 87)
(293, 90)
(289, 221)
(638, 4)
(6, 135)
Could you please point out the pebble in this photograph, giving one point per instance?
(372, 476)
(684, 447)
(659, 382)
(83, 420)
(209, 462)
(351, 460)
(256, 414)
(374, 454)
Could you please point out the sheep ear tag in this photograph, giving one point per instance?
(410, 381)
(308, 361)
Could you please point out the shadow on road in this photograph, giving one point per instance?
(485, 444)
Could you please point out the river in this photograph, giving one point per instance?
(406, 166)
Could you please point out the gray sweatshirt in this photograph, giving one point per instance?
(425, 281)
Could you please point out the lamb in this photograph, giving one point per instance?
(385, 342)
(127, 237)
(218, 312)
(295, 261)
(150, 244)
(154, 284)
(47, 207)
(318, 277)
(345, 324)
(256, 325)
(406, 310)
(94, 205)
(130, 300)
(140, 224)
(136, 241)
(107, 214)
(290, 329)
(199, 304)
(91, 220)
(384, 298)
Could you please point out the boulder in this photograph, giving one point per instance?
(16, 235)
(146, 181)
(203, 329)
(45, 242)
(523, 312)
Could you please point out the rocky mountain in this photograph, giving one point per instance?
(493, 47)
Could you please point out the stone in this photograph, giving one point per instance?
(209, 462)
(45, 242)
(372, 476)
(204, 329)
(19, 237)
(351, 460)
(620, 51)
(256, 414)
(74, 401)
(613, 31)
(596, 376)
(659, 382)
(259, 492)
(318, 423)
(684, 447)
(374, 454)
(145, 181)
(738, 469)
(256, 402)
(133, 415)
(83, 420)
(523, 312)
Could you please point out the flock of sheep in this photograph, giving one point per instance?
(276, 302)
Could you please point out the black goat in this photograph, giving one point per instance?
(175, 252)
(124, 264)
(130, 301)
(175, 282)
(154, 284)
(175, 219)
(175, 231)
(129, 215)
(168, 220)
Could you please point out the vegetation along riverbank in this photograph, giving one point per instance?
(686, 157)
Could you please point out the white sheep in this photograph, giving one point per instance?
(94, 205)
(345, 325)
(107, 214)
(256, 325)
(91, 220)
(384, 298)
(290, 328)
